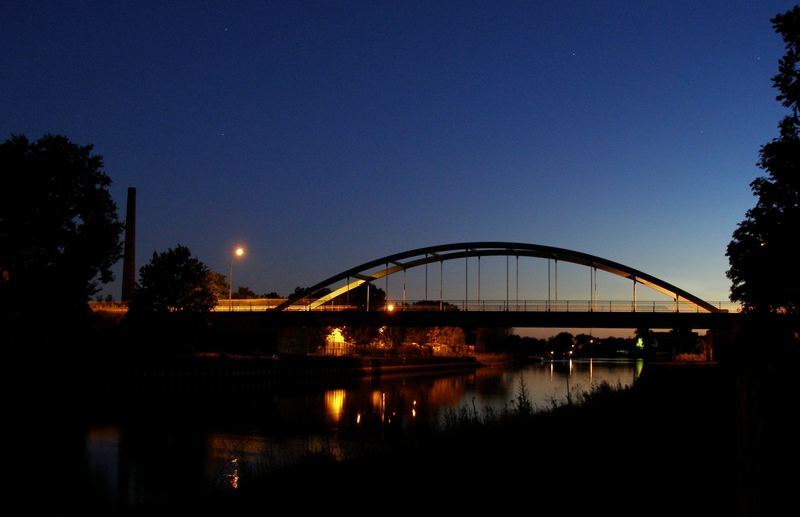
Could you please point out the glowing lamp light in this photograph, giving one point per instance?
(238, 252)
(390, 307)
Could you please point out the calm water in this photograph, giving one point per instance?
(150, 447)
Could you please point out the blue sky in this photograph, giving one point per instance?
(325, 134)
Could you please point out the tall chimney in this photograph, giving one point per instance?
(129, 257)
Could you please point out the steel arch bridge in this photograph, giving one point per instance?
(401, 262)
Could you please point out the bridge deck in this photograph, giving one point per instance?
(494, 319)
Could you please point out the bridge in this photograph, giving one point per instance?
(498, 319)
(329, 301)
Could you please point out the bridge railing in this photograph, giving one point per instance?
(264, 304)
(662, 306)
(560, 306)
(247, 305)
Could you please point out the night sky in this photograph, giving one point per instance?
(322, 135)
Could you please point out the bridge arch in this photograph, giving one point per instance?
(397, 262)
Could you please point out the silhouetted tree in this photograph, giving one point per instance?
(491, 338)
(433, 305)
(59, 231)
(358, 298)
(218, 284)
(319, 294)
(173, 281)
(561, 343)
(762, 252)
(271, 294)
(244, 293)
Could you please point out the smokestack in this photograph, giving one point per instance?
(129, 257)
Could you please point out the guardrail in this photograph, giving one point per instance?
(247, 305)
(261, 305)
(512, 306)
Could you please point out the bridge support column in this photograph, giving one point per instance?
(517, 280)
(404, 287)
(466, 280)
(548, 285)
(426, 277)
(479, 280)
(506, 282)
(441, 288)
(556, 282)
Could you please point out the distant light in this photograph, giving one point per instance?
(239, 251)
(390, 307)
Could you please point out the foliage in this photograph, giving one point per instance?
(59, 231)
(433, 305)
(298, 291)
(173, 281)
(446, 336)
(358, 297)
(561, 344)
(360, 336)
(763, 263)
(522, 402)
(244, 293)
(218, 284)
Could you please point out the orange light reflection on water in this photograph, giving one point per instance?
(334, 403)
(234, 475)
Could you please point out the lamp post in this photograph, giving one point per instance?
(238, 252)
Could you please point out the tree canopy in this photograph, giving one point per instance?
(173, 281)
(59, 230)
(763, 262)
(219, 285)
(244, 293)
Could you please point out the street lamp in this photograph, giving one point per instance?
(238, 252)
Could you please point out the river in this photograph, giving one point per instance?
(149, 447)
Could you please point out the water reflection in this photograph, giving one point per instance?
(334, 402)
(233, 477)
(228, 454)
(103, 461)
(153, 457)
